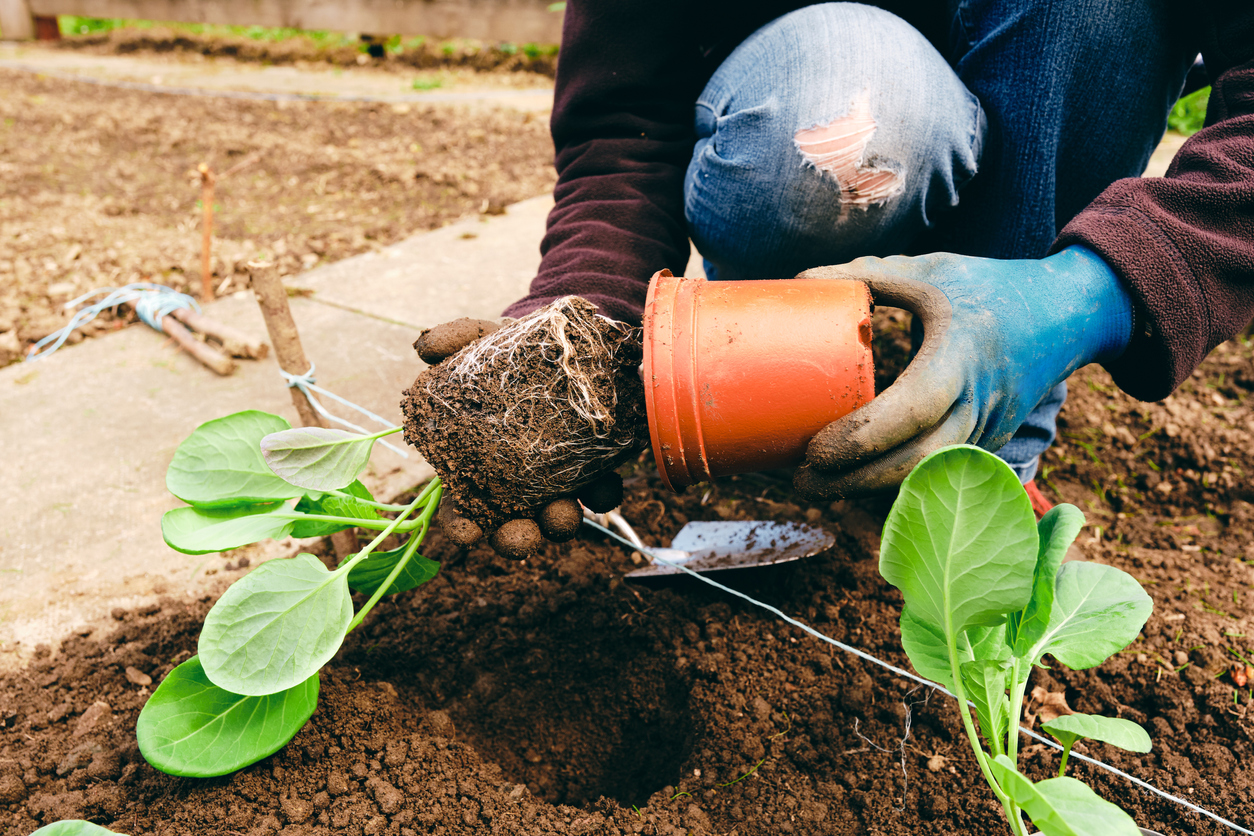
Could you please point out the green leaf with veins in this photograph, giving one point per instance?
(334, 506)
(193, 530)
(985, 684)
(1062, 806)
(1113, 730)
(276, 626)
(73, 827)
(1057, 531)
(1098, 611)
(191, 727)
(960, 541)
(929, 654)
(220, 464)
(317, 458)
(367, 575)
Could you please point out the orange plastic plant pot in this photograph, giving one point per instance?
(740, 375)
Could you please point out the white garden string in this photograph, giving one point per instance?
(307, 386)
(861, 654)
(151, 301)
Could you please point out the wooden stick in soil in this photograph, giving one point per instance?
(209, 356)
(234, 342)
(206, 201)
(272, 298)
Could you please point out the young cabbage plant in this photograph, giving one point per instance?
(254, 680)
(73, 827)
(987, 597)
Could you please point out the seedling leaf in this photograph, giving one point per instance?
(366, 576)
(334, 506)
(1057, 530)
(317, 458)
(191, 727)
(1062, 806)
(1098, 610)
(193, 530)
(220, 464)
(1113, 730)
(275, 627)
(985, 683)
(926, 647)
(73, 827)
(960, 541)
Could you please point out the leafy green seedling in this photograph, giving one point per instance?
(987, 597)
(73, 827)
(254, 683)
(1113, 730)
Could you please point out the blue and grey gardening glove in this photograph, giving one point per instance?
(997, 336)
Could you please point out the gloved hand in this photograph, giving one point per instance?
(559, 520)
(997, 336)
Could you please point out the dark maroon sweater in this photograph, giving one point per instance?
(629, 75)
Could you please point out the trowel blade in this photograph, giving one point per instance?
(715, 546)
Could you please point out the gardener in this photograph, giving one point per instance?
(783, 138)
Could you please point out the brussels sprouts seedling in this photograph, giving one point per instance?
(254, 682)
(987, 596)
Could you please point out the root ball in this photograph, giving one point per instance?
(530, 412)
(560, 520)
(517, 539)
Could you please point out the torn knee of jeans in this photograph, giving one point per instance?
(839, 149)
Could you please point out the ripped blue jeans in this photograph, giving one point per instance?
(838, 131)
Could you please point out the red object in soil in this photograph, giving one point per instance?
(1040, 505)
(740, 375)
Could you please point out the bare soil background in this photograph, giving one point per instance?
(96, 187)
(552, 697)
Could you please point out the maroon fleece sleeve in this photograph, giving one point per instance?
(1184, 243)
(622, 123)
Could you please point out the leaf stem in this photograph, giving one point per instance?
(969, 725)
(393, 526)
(1066, 753)
(412, 546)
(382, 506)
(373, 525)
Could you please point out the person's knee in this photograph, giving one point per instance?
(831, 132)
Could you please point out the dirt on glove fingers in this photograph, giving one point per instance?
(530, 412)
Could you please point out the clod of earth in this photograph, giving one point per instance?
(530, 412)
(560, 520)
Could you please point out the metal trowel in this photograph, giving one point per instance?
(716, 546)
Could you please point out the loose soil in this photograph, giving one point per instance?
(531, 412)
(97, 187)
(552, 697)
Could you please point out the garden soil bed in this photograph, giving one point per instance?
(553, 697)
(98, 189)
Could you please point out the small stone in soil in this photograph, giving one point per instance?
(517, 539)
(560, 520)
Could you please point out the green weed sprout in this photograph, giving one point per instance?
(254, 681)
(987, 596)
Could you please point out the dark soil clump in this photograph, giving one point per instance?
(531, 412)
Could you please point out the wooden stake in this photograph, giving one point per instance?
(206, 354)
(234, 342)
(272, 297)
(206, 202)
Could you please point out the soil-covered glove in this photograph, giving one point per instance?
(997, 336)
(559, 520)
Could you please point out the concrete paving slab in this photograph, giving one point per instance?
(89, 432)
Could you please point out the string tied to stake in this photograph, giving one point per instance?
(152, 302)
(307, 384)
